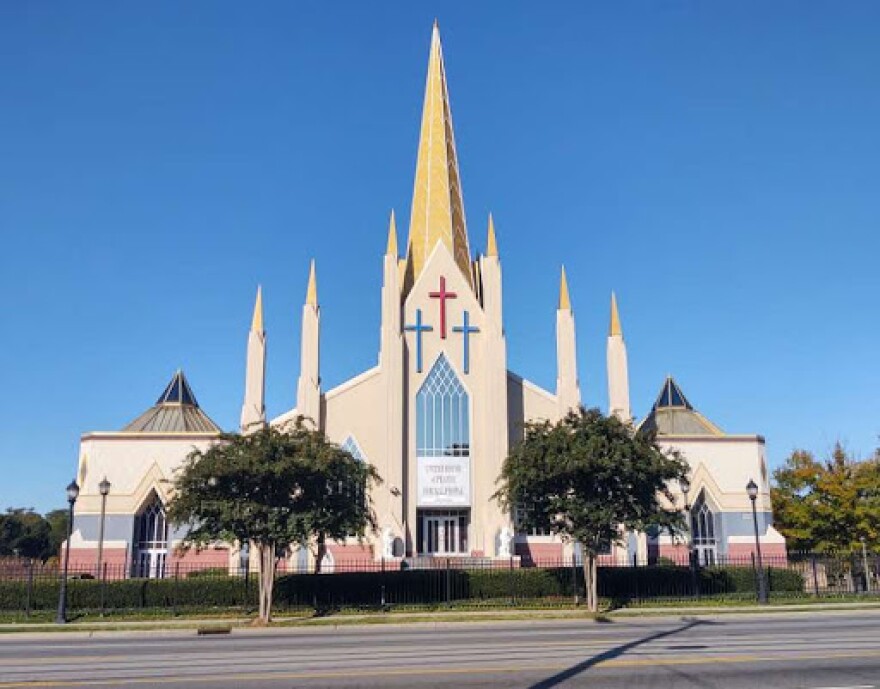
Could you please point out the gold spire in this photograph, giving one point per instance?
(257, 322)
(564, 301)
(312, 289)
(437, 205)
(391, 250)
(491, 243)
(615, 330)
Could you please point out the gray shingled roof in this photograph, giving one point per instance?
(672, 414)
(176, 411)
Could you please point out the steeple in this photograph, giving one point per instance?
(618, 368)
(308, 387)
(568, 392)
(614, 329)
(253, 409)
(564, 301)
(312, 289)
(257, 322)
(437, 205)
(391, 249)
(491, 242)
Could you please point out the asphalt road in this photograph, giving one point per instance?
(808, 651)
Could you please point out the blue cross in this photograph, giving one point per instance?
(466, 329)
(418, 329)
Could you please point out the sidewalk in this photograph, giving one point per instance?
(187, 626)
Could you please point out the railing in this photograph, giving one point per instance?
(28, 587)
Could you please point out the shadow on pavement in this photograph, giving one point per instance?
(610, 654)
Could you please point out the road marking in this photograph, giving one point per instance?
(410, 672)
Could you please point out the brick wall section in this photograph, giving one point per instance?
(773, 554)
(539, 553)
(350, 555)
(192, 559)
(86, 560)
(678, 553)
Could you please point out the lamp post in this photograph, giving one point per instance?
(692, 560)
(72, 495)
(752, 490)
(104, 488)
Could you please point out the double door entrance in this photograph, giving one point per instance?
(443, 532)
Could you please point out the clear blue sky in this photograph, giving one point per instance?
(715, 163)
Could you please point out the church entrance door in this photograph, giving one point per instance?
(443, 532)
(151, 563)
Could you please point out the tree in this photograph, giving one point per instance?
(57, 520)
(274, 488)
(24, 533)
(827, 506)
(588, 478)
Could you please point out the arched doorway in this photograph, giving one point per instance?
(703, 532)
(151, 540)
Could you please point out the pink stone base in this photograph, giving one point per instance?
(192, 559)
(85, 561)
(772, 554)
(540, 554)
(351, 557)
(679, 553)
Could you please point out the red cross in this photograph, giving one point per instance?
(442, 295)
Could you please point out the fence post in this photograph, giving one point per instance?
(247, 577)
(757, 583)
(695, 571)
(103, 588)
(382, 587)
(512, 582)
(574, 579)
(30, 589)
(815, 574)
(174, 590)
(447, 582)
(635, 575)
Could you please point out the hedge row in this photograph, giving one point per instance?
(394, 587)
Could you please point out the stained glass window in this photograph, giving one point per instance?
(350, 445)
(442, 414)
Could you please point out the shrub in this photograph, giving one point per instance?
(394, 587)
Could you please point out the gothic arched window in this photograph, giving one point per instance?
(351, 446)
(703, 531)
(151, 539)
(442, 414)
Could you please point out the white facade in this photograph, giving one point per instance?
(436, 415)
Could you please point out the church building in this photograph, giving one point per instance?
(436, 415)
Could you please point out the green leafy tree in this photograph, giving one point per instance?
(795, 500)
(57, 520)
(24, 533)
(274, 488)
(827, 506)
(588, 478)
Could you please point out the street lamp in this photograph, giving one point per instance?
(752, 490)
(72, 495)
(692, 559)
(104, 488)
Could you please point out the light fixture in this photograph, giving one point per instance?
(752, 490)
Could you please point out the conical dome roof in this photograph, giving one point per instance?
(673, 414)
(176, 411)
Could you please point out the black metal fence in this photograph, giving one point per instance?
(33, 588)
